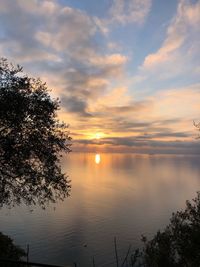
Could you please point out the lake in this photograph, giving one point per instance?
(113, 195)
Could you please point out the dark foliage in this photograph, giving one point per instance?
(179, 244)
(31, 141)
(8, 250)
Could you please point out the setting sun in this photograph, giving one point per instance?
(98, 135)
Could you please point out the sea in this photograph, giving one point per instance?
(113, 197)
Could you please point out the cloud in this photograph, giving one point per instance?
(124, 110)
(39, 26)
(123, 12)
(169, 105)
(130, 11)
(72, 51)
(75, 29)
(133, 145)
(75, 105)
(163, 118)
(133, 141)
(181, 102)
(58, 43)
(109, 60)
(176, 55)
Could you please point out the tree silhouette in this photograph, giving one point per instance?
(31, 141)
(178, 245)
(8, 250)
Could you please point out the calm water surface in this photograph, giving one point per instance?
(120, 195)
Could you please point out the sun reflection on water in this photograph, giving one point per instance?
(97, 158)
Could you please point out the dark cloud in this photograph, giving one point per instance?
(134, 145)
(134, 107)
(164, 134)
(75, 105)
(114, 122)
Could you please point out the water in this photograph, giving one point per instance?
(120, 195)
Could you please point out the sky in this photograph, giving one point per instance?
(127, 72)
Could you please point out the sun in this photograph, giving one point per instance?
(98, 136)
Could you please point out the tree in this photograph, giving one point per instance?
(178, 245)
(8, 250)
(31, 141)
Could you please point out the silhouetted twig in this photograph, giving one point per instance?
(27, 253)
(126, 257)
(134, 257)
(116, 255)
(93, 262)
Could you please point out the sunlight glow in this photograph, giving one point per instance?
(98, 135)
(97, 158)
